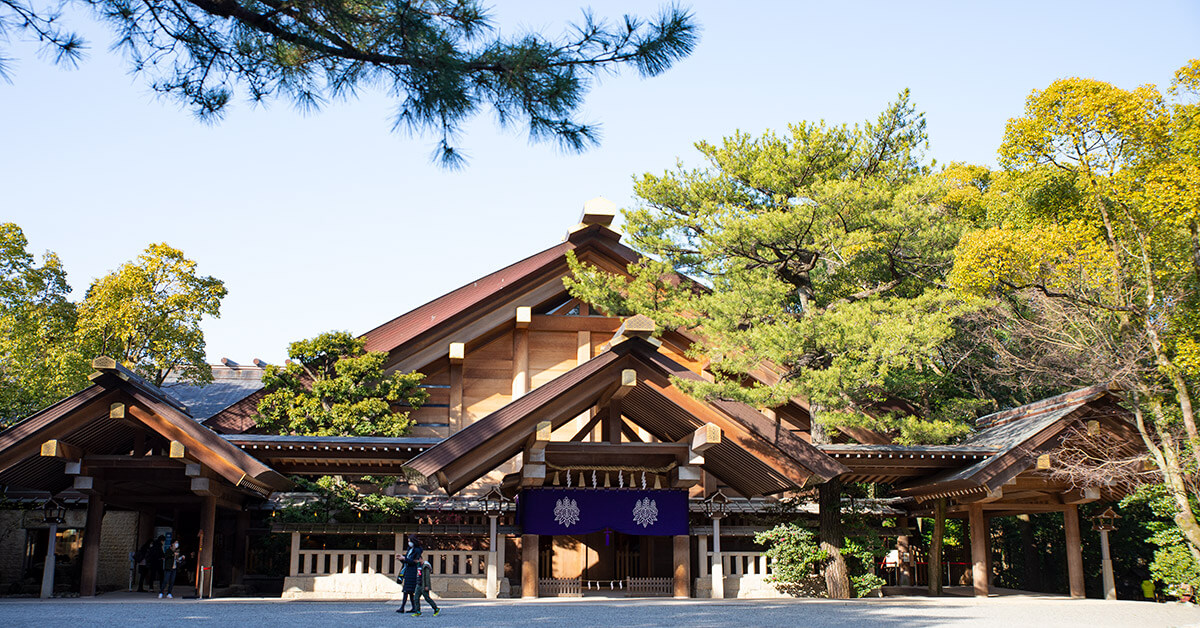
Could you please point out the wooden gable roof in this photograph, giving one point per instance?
(101, 425)
(755, 458)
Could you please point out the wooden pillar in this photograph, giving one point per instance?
(904, 563)
(1106, 568)
(493, 580)
(935, 546)
(718, 563)
(683, 565)
(979, 531)
(294, 569)
(457, 354)
(520, 383)
(1074, 550)
(239, 546)
(204, 557)
(91, 546)
(529, 565)
(48, 566)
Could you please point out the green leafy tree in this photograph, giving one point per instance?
(147, 315)
(441, 59)
(822, 251)
(1090, 236)
(332, 386)
(332, 499)
(793, 551)
(39, 362)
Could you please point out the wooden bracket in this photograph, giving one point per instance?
(686, 476)
(84, 483)
(699, 441)
(58, 449)
(1084, 496)
(458, 351)
(524, 316)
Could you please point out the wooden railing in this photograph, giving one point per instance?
(560, 587)
(444, 563)
(650, 587)
(738, 564)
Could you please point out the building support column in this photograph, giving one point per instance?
(935, 546)
(1074, 551)
(204, 557)
(979, 532)
(683, 565)
(903, 561)
(718, 563)
(48, 567)
(529, 565)
(493, 579)
(91, 546)
(239, 546)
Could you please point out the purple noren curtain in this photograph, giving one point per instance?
(554, 511)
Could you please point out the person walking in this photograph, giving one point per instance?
(172, 559)
(140, 557)
(423, 582)
(408, 572)
(154, 567)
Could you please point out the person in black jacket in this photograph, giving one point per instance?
(172, 559)
(154, 554)
(408, 572)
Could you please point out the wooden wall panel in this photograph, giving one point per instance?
(551, 354)
(487, 378)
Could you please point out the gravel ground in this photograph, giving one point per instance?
(906, 612)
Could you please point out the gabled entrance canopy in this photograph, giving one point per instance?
(123, 430)
(630, 380)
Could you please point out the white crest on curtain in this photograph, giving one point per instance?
(645, 512)
(566, 512)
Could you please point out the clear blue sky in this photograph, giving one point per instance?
(330, 221)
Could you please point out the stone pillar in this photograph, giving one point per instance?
(1074, 550)
(48, 568)
(718, 563)
(204, 557)
(493, 582)
(240, 533)
(529, 565)
(979, 532)
(91, 546)
(683, 565)
(1110, 584)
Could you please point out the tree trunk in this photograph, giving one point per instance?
(1033, 567)
(837, 576)
(1167, 459)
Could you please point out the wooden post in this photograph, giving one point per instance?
(294, 569)
(529, 565)
(493, 582)
(48, 567)
(718, 563)
(91, 546)
(204, 557)
(935, 546)
(520, 383)
(457, 355)
(501, 541)
(702, 559)
(683, 565)
(979, 531)
(903, 563)
(1074, 550)
(239, 546)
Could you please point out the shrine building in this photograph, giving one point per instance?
(555, 457)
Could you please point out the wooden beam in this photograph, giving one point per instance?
(540, 437)
(582, 323)
(587, 429)
(983, 498)
(1084, 496)
(58, 449)
(90, 571)
(686, 476)
(455, 413)
(529, 565)
(704, 438)
(84, 483)
(524, 316)
(520, 375)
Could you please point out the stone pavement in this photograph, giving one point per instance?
(124, 610)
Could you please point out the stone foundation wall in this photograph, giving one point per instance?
(757, 587)
(12, 547)
(382, 587)
(118, 537)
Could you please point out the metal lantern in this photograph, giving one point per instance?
(53, 512)
(717, 505)
(493, 502)
(1105, 521)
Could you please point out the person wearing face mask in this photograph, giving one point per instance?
(409, 572)
(171, 560)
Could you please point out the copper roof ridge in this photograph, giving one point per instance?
(1078, 396)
